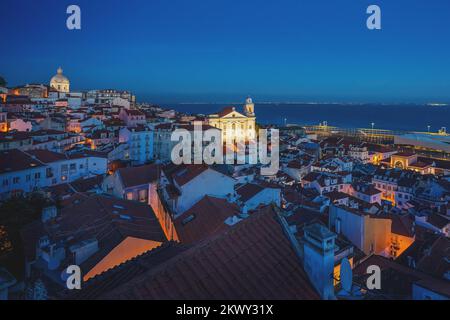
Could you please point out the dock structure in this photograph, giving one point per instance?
(379, 136)
(435, 144)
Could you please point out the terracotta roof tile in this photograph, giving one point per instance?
(46, 156)
(107, 219)
(120, 275)
(248, 191)
(15, 160)
(226, 110)
(186, 173)
(407, 275)
(438, 220)
(136, 176)
(87, 184)
(402, 225)
(133, 112)
(436, 260)
(256, 261)
(208, 218)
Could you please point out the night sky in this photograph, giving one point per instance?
(216, 50)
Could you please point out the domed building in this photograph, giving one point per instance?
(59, 82)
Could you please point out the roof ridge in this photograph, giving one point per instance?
(198, 247)
(32, 157)
(136, 259)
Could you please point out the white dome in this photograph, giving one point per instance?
(59, 77)
(60, 82)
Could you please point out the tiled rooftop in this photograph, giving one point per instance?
(253, 260)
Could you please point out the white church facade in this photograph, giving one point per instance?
(236, 126)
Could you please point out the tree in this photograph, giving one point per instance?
(18, 211)
(15, 213)
(3, 82)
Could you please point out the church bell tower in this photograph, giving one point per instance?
(249, 108)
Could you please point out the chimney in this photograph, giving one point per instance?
(318, 258)
(48, 213)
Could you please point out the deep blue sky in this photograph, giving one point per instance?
(217, 50)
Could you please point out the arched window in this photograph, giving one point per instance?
(399, 165)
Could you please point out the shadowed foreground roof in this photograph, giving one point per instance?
(115, 277)
(253, 260)
(397, 273)
(206, 218)
(108, 220)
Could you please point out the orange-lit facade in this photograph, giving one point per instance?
(32, 91)
(399, 243)
(162, 213)
(376, 159)
(410, 162)
(3, 122)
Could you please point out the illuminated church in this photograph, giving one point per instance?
(234, 125)
(59, 82)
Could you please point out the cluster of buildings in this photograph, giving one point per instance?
(141, 227)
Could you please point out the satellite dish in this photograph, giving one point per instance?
(346, 275)
(64, 275)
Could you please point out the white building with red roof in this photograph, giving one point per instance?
(132, 183)
(26, 171)
(251, 195)
(234, 125)
(193, 182)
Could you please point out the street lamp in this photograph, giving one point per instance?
(373, 135)
(429, 128)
